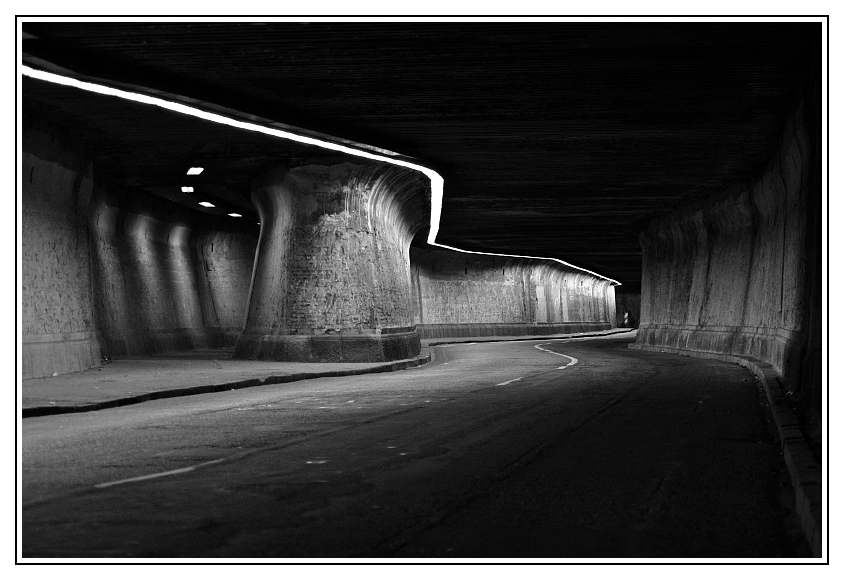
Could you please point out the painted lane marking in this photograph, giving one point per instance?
(508, 382)
(156, 475)
(254, 452)
(571, 358)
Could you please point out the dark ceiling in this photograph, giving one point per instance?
(554, 139)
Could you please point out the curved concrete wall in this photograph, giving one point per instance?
(107, 271)
(164, 282)
(224, 270)
(458, 294)
(740, 274)
(332, 273)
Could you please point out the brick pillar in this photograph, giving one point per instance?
(332, 273)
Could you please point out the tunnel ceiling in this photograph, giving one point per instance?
(554, 139)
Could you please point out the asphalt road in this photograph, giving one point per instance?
(540, 449)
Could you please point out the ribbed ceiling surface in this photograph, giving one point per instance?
(554, 139)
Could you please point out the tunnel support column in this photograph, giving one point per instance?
(332, 274)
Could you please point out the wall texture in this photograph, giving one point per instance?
(110, 272)
(458, 294)
(59, 335)
(332, 273)
(740, 274)
(165, 280)
(224, 270)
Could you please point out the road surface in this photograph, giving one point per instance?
(538, 449)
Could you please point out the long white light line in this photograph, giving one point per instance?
(437, 181)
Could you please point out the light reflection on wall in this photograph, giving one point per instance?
(150, 295)
(456, 288)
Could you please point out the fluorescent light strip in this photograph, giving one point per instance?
(437, 181)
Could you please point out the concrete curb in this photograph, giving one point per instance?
(536, 337)
(804, 470)
(42, 411)
(230, 386)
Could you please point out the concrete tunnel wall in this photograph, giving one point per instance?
(108, 271)
(740, 274)
(165, 282)
(458, 294)
(57, 299)
(332, 273)
(111, 271)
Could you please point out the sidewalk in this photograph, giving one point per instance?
(463, 339)
(131, 380)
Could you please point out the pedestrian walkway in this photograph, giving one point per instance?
(464, 339)
(131, 380)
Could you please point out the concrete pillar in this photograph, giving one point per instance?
(332, 272)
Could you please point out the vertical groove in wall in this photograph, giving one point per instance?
(102, 275)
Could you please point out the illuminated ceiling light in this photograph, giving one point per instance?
(235, 215)
(206, 204)
(195, 170)
(187, 189)
(437, 181)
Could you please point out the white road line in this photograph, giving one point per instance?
(508, 382)
(156, 475)
(571, 358)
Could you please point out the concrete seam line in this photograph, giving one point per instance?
(437, 181)
(799, 472)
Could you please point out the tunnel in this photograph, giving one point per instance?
(286, 202)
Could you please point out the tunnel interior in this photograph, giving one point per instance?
(680, 159)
